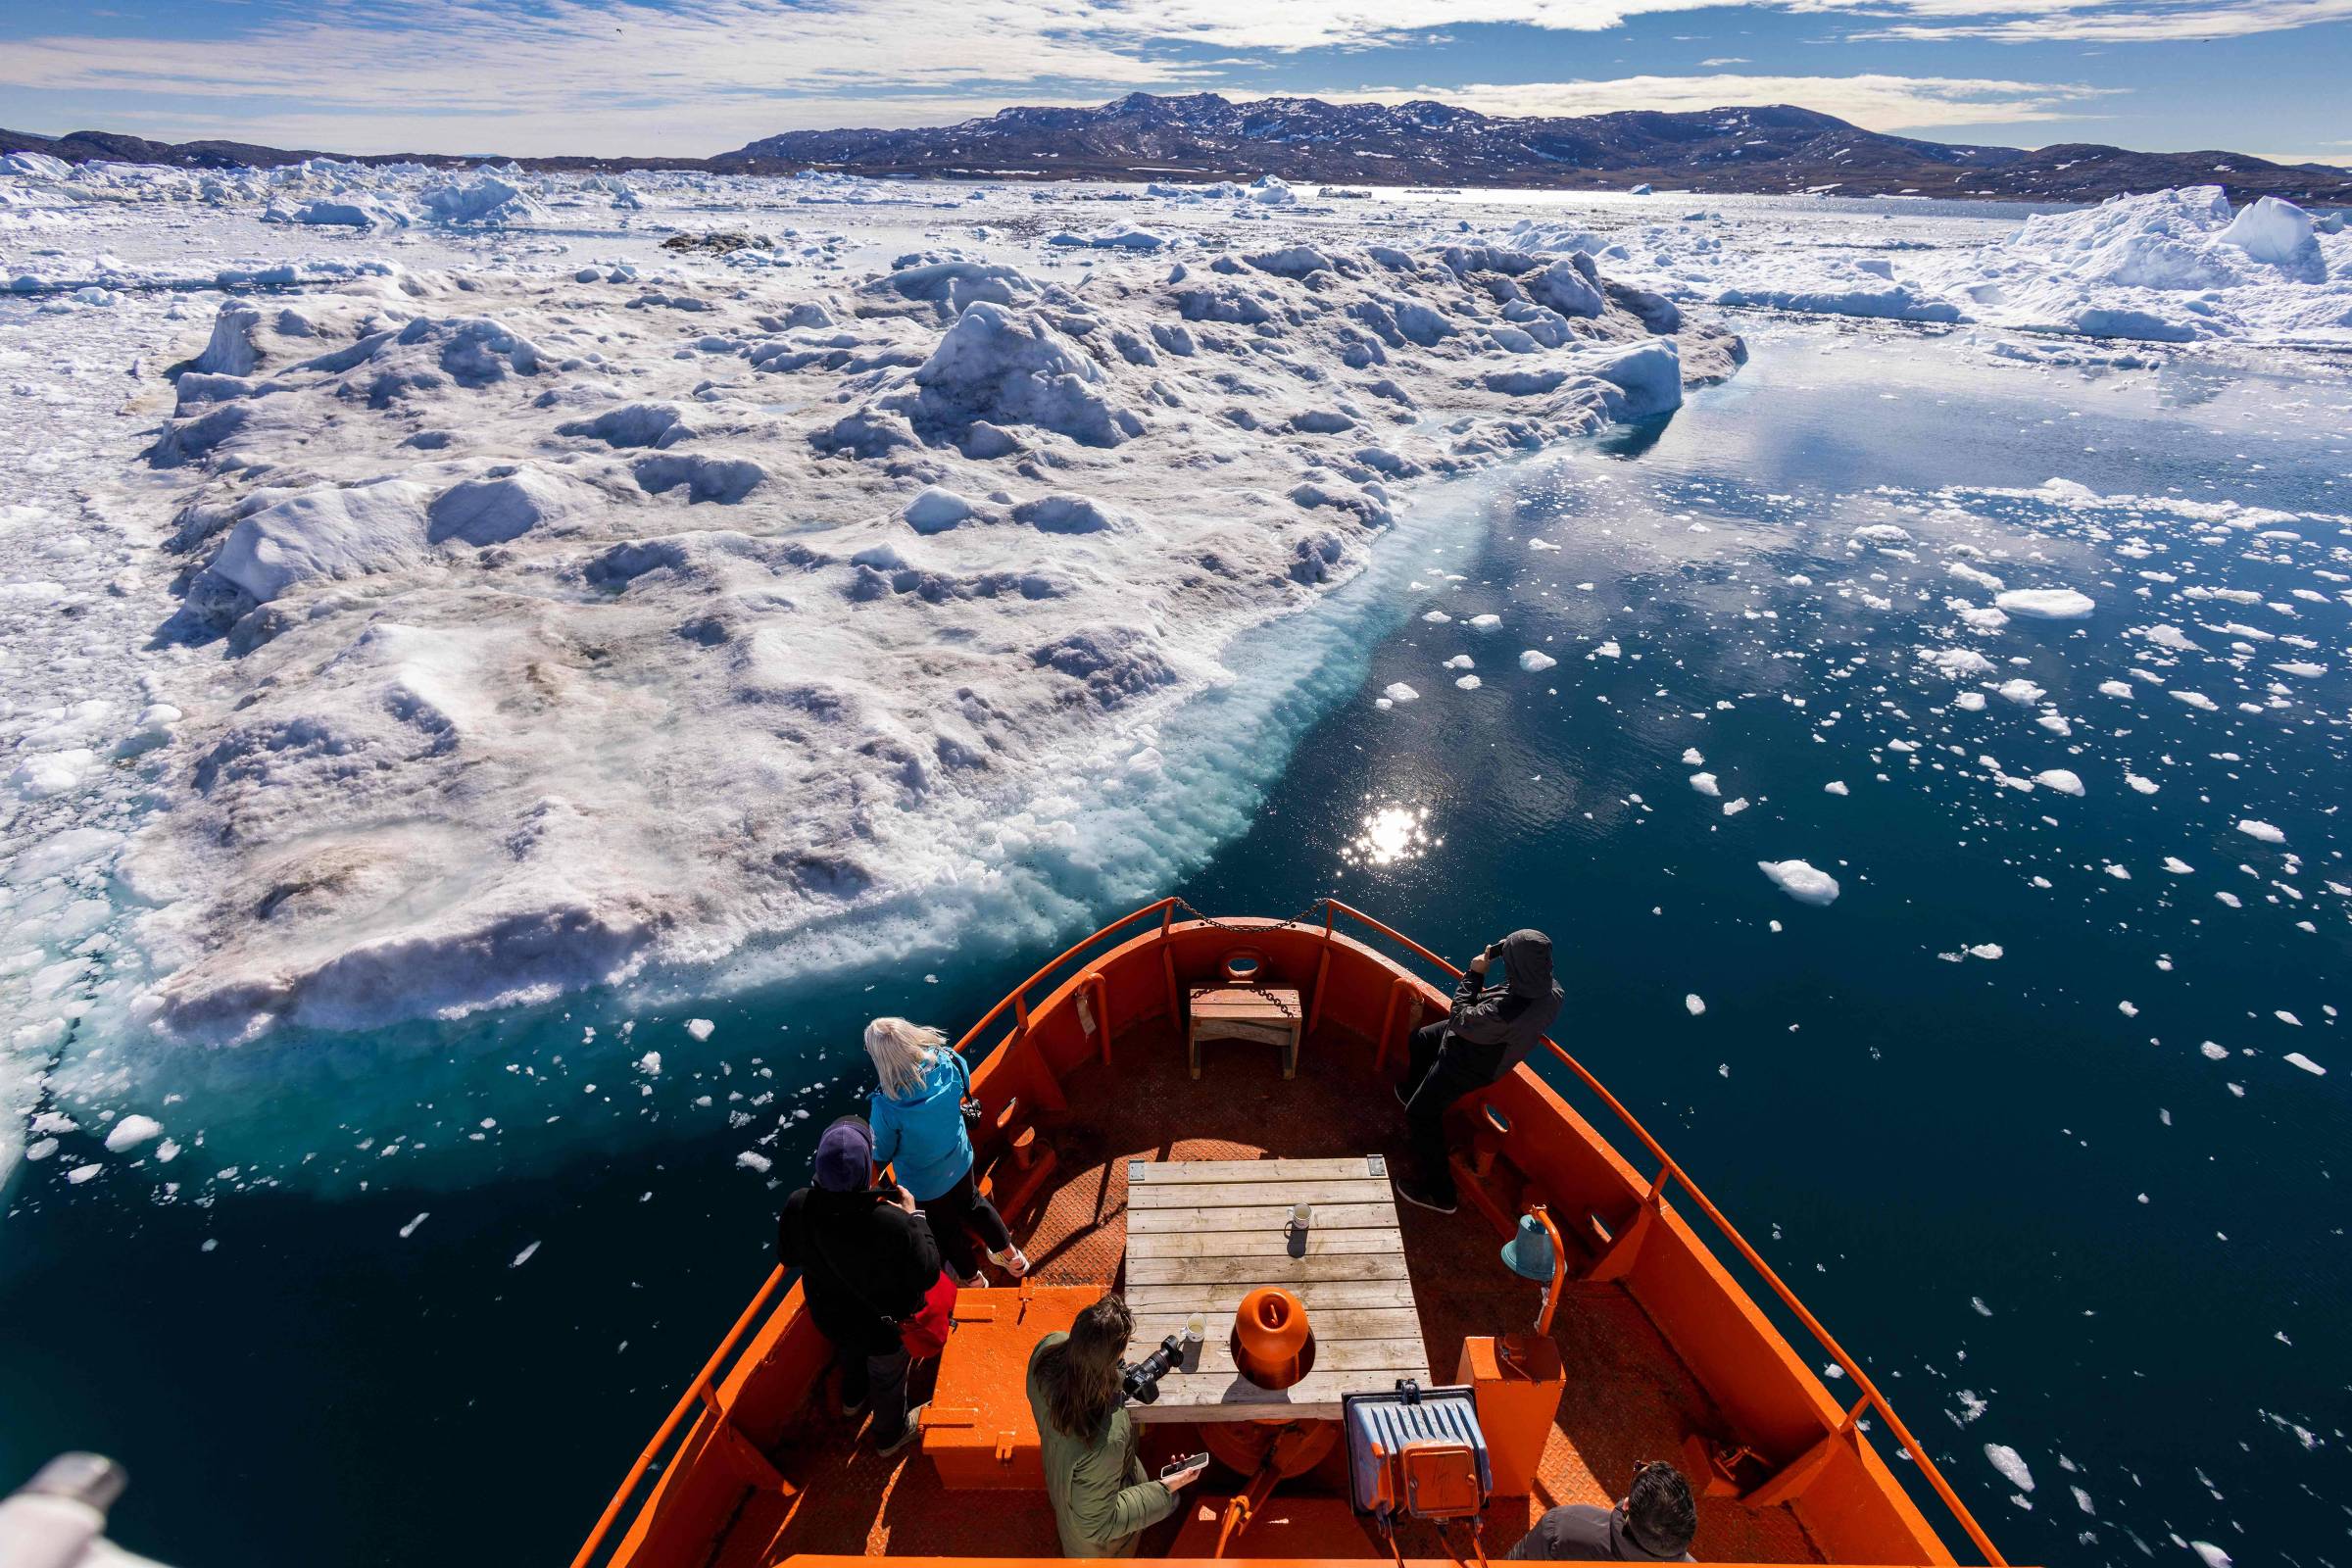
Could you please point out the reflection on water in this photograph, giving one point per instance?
(1389, 835)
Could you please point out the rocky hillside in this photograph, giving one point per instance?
(1776, 149)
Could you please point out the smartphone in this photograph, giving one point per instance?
(1177, 1467)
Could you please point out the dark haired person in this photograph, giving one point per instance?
(1653, 1524)
(1490, 1030)
(865, 1258)
(1103, 1501)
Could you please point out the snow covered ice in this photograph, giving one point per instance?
(538, 622)
(2167, 267)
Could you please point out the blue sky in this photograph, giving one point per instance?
(2271, 77)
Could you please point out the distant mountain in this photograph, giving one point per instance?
(1777, 149)
(106, 146)
(1774, 150)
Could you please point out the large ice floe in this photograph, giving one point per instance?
(553, 624)
(2170, 266)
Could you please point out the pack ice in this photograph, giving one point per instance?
(554, 619)
(2174, 265)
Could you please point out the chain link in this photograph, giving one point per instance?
(1312, 913)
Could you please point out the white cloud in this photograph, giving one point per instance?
(2337, 159)
(1724, 60)
(1874, 102)
(2087, 22)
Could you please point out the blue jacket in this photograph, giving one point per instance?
(923, 1134)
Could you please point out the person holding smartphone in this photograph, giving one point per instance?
(1102, 1498)
(1489, 1031)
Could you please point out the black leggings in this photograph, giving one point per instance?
(954, 1215)
(1440, 1070)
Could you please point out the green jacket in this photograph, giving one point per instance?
(1102, 1498)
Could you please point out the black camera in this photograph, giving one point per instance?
(1140, 1382)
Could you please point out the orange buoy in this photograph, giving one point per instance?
(1273, 1344)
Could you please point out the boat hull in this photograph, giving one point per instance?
(1522, 1143)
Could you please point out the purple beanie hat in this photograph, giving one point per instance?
(844, 1157)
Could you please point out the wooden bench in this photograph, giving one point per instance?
(1268, 1014)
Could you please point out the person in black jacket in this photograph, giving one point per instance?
(865, 1258)
(1490, 1030)
(1655, 1522)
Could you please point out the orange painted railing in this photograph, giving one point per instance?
(701, 1389)
(1670, 1170)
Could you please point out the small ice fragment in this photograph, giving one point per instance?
(1399, 692)
(2010, 1464)
(700, 1028)
(2255, 829)
(1802, 881)
(2297, 1059)
(1695, 1004)
(1692, 758)
(1536, 660)
(130, 1132)
(1836, 786)
(750, 1159)
(523, 1256)
(2045, 603)
(650, 1064)
(2215, 1556)
(1705, 784)
(2063, 781)
(1469, 683)
(409, 1229)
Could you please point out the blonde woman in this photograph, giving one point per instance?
(919, 1129)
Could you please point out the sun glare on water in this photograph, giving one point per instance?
(1389, 835)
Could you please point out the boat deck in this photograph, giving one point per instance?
(1629, 1398)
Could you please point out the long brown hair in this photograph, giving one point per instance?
(1081, 1374)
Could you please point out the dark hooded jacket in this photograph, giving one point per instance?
(1514, 1015)
(1581, 1533)
(864, 1262)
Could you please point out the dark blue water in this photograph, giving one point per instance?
(2045, 1223)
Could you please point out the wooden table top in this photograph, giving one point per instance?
(1204, 1233)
